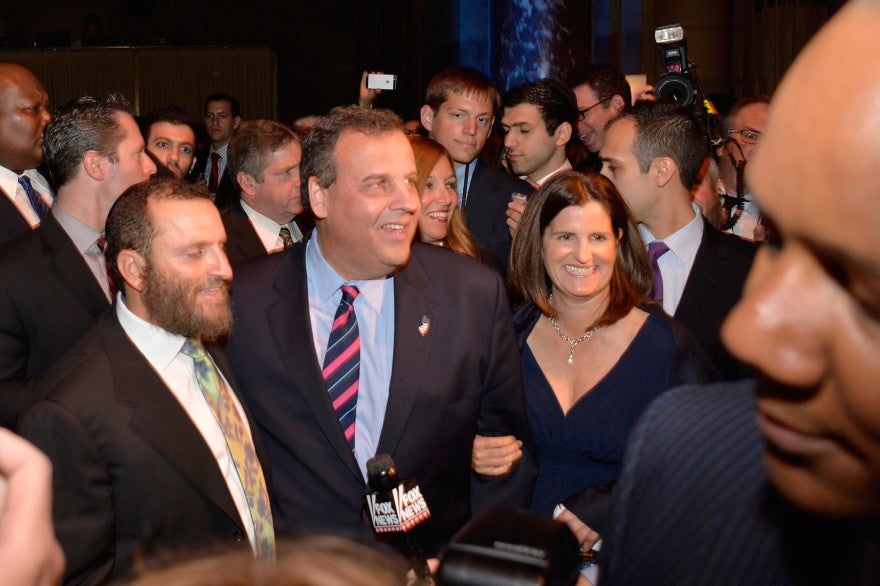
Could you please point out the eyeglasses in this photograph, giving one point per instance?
(583, 113)
(746, 135)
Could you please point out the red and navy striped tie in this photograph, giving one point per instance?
(342, 362)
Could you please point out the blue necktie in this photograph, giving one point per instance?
(342, 362)
(37, 202)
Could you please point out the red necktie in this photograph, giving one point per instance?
(214, 181)
(102, 244)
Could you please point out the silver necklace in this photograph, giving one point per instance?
(589, 334)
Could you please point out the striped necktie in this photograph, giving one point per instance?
(342, 362)
(241, 448)
(41, 208)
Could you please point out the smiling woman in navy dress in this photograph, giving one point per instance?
(592, 358)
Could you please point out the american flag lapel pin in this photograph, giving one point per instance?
(424, 325)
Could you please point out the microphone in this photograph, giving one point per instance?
(397, 506)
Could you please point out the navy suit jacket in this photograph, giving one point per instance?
(488, 196)
(12, 223)
(460, 378)
(713, 287)
(132, 474)
(48, 299)
(694, 506)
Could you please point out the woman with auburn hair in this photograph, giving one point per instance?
(441, 221)
(592, 359)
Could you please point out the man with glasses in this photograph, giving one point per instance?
(742, 132)
(602, 93)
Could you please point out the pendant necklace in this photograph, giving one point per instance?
(589, 334)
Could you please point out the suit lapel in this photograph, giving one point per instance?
(703, 278)
(246, 239)
(11, 220)
(68, 265)
(291, 326)
(411, 349)
(162, 420)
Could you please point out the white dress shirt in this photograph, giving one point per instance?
(9, 184)
(675, 265)
(268, 230)
(162, 350)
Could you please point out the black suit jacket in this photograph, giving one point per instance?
(132, 474)
(242, 241)
(488, 196)
(713, 287)
(694, 506)
(12, 223)
(48, 299)
(462, 377)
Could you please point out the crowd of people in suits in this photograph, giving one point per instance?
(205, 343)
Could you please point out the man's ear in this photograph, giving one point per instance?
(663, 170)
(93, 165)
(562, 134)
(426, 115)
(317, 198)
(246, 184)
(236, 122)
(617, 104)
(132, 268)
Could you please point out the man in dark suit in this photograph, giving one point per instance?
(777, 481)
(222, 119)
(653, 153)
(53, 280)
(435, 352)
(264, 158)
(459, 110)
(24, 113)
(151, 446)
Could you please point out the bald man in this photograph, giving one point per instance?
(24, 113)
(777, 481)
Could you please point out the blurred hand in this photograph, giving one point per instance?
(494, 456)
(29, 553)
(366, 97)
(585, 536)
(514, 212)
(644, 93)
(433, 565)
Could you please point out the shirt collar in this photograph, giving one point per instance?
(158, 346)
(325, 281)
(684, 242)
(9, 182)
(82, 235)
(566, 166)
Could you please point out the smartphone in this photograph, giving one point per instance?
(381, 81)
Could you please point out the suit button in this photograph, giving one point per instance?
(238, 536)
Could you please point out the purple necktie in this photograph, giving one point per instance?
(655, 250)
(41, 208)
(342, 362)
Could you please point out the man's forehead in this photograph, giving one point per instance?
(469, 100)
(753, 116)
(164, 126)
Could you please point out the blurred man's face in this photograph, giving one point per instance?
(748, 127)
(809, 319)
(220, 123)
(593, 115)
(174, 145)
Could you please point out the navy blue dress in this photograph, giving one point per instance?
(583, 449)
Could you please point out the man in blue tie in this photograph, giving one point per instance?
(24, 113)
(357, 342)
